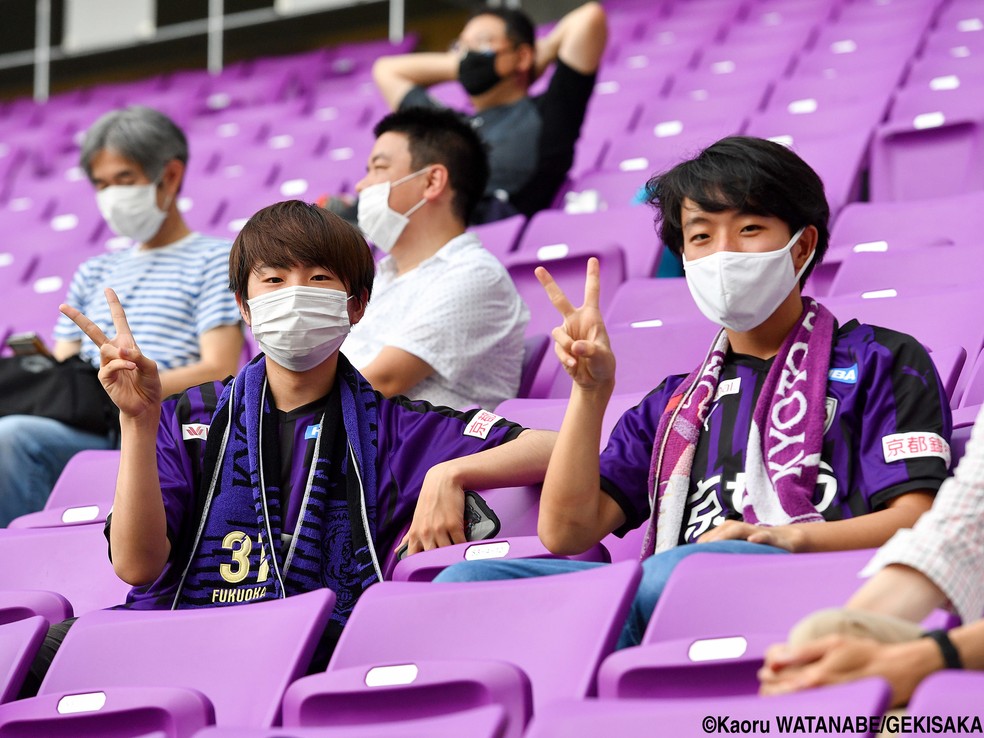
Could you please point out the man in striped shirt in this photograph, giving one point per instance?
(173, 281)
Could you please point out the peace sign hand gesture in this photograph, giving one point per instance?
(581, 342)
(130, 379)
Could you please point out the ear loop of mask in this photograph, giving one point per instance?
(401, 180)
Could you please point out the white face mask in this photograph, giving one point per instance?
(379, 222)
(740, 290)
(131, 210)
(300, 327)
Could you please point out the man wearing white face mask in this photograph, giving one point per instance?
(294, 475)
(795, 434)
(445, 324)
(174, 281)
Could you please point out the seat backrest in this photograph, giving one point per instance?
(949, 694)
(630, 228)
(19, 643)
(974, 391)
(647, 354)
(650, 300)
(935, 319)
(556, 629)
(929, 267)
(764, 593)
(499, 238)
(88, 478)
(534, 349)
(18, 604)
(610, 717)
(71, 561)
(242, 658)
(566, 264)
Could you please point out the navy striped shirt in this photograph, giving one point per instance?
(172, 295)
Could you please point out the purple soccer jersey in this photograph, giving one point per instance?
(886, 433)
(411, 437)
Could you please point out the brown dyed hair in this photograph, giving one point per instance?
(295, 233)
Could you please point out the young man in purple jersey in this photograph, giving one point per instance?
(295, 474)
(791, 420)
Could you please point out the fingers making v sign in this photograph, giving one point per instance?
(130, 379)
(581, 341)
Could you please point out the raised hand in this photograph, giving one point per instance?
(130, 379)
(581, 342)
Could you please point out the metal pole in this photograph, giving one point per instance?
(42, 51)
(397, 21)
(216, 14)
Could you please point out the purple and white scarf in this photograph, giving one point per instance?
(782, 456)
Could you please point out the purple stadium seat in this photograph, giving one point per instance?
(71, 561)
(936, 320)
(479, 722)
(838, 157)
(933, 155)
(34, 307)
(307, 178)
(648, 154)
(424, 566)
(950, 362)
(949, 694)
(694, 647)
(534, 349)
(888, 226)
(932, 267)
(20, 604)
(499, 238)
(566, 262)
(83, 493)
(690, 717)
(646, 353)
(973, 394)
(631, 229)
(512, 621)
(19, 642)
(119, 712)
(753, 82)
(613, 189)
(653, 302)
(661, 117)
(198, 650)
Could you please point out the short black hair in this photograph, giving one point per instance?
(750, 175)
(519, 27)
(438, 136)
(295, 233)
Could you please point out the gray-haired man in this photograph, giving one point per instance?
(173, 283)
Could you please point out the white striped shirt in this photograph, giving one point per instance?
(172, 295)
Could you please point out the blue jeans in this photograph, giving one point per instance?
(656, 571)
(33, 452)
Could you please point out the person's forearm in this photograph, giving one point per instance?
(138, 535)
(864, 531)
(396, 75)
(569, 504)
(521, 461)
(578, 39)
(898, 591)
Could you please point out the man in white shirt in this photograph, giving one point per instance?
(445, 323)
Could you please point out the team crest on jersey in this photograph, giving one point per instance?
(830, 409)
(194, 430)
(481, 425)
(844, 375)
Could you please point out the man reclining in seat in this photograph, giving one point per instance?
(794, 434)
(295, 474)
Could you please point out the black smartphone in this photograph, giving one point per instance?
(481, 523)
(27, 343)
